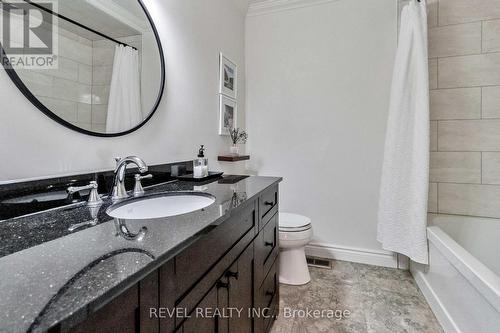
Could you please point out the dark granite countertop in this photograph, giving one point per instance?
(50, 275)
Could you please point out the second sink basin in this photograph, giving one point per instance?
(163, 205)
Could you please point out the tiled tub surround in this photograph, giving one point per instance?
(78, 90)
(95, 263)
(66, 90)
(464, 80)
(464, 73)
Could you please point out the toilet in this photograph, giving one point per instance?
(295, 231)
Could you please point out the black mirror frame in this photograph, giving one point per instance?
(27, 93)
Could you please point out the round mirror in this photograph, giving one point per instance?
(95, 66)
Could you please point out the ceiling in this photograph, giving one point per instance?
(111, 17)
(243, 4)
(106, 16)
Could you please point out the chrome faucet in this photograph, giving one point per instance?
(124, 231)
(119, 190)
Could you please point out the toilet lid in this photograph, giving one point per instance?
(293, 222)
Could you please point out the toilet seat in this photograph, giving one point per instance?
(293, 222)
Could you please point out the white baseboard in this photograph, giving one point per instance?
(437, 307)
(362, 256)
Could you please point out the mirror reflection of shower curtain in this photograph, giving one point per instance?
(124, 105)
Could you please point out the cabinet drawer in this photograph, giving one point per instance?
(266, 249)
(268, 205)
(267, 299)
(194, 262)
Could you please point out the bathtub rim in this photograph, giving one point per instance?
(484, 280)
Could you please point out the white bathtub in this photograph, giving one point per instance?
(462, 281)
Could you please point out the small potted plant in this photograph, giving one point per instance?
(237, 136)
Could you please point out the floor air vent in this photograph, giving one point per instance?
(319, 262)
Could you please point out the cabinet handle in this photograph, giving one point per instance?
(230, 274)
(269, 203)
(270, 244)
(221, 284)
(269, 293)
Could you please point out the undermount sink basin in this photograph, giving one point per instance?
(164, 205)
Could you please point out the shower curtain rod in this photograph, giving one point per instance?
(78, 24)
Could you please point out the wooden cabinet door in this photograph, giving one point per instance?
(120, 315)
(240, 278)
(127, 313)
(148, 299)
(199, 324)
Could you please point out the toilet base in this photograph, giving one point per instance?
(293, 266)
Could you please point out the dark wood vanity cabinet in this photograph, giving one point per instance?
(127, 313)
(120, 315)
(240, 292)
(225, 308)
(203, 324)
(225, 282)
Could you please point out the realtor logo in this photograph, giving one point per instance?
(29, 34)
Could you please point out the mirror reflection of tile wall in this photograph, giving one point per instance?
(78, 90)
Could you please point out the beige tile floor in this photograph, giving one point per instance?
(380, 300)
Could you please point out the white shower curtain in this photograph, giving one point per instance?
(124, 105)
(402, 216)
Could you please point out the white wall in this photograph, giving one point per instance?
(193, 33)
(318, 81)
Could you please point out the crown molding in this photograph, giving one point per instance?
(272, 6)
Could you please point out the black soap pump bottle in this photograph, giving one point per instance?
(200, 164)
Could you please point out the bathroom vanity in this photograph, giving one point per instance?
(211, 270)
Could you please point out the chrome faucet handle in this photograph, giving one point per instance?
(94, 198)
(138, 189)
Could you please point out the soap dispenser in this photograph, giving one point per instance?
(200, 165)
